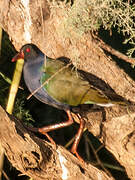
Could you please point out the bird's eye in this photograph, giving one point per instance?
(28, 50)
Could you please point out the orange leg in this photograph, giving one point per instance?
(77, 139)
(46, 129)
(70, 121)
(33, 129)
(57, 126)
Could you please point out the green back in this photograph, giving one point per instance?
(68, 86)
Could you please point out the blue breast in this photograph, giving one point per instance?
(32, 74)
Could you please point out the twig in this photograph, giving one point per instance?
(114, 52)
(0, 39)
(97, 158)
(61, 69)
(1, 148)
(1, 160)
(114, 167)
(5, 175)
(8, 80)
(42, 19)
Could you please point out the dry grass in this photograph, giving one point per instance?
(90, 15)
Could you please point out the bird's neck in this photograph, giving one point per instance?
(32, 72)
(36, 61)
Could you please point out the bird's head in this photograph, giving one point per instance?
(27, 52)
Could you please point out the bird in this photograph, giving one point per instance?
(59, 84)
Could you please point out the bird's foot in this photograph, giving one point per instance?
(48, 137)
(77, 155)
(33, 129)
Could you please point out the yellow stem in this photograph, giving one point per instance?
(1, 148)
(14, 85)
(0, 39)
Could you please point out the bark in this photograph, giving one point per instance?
(39, 159)
(45, 23)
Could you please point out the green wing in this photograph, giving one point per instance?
(68, 86)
